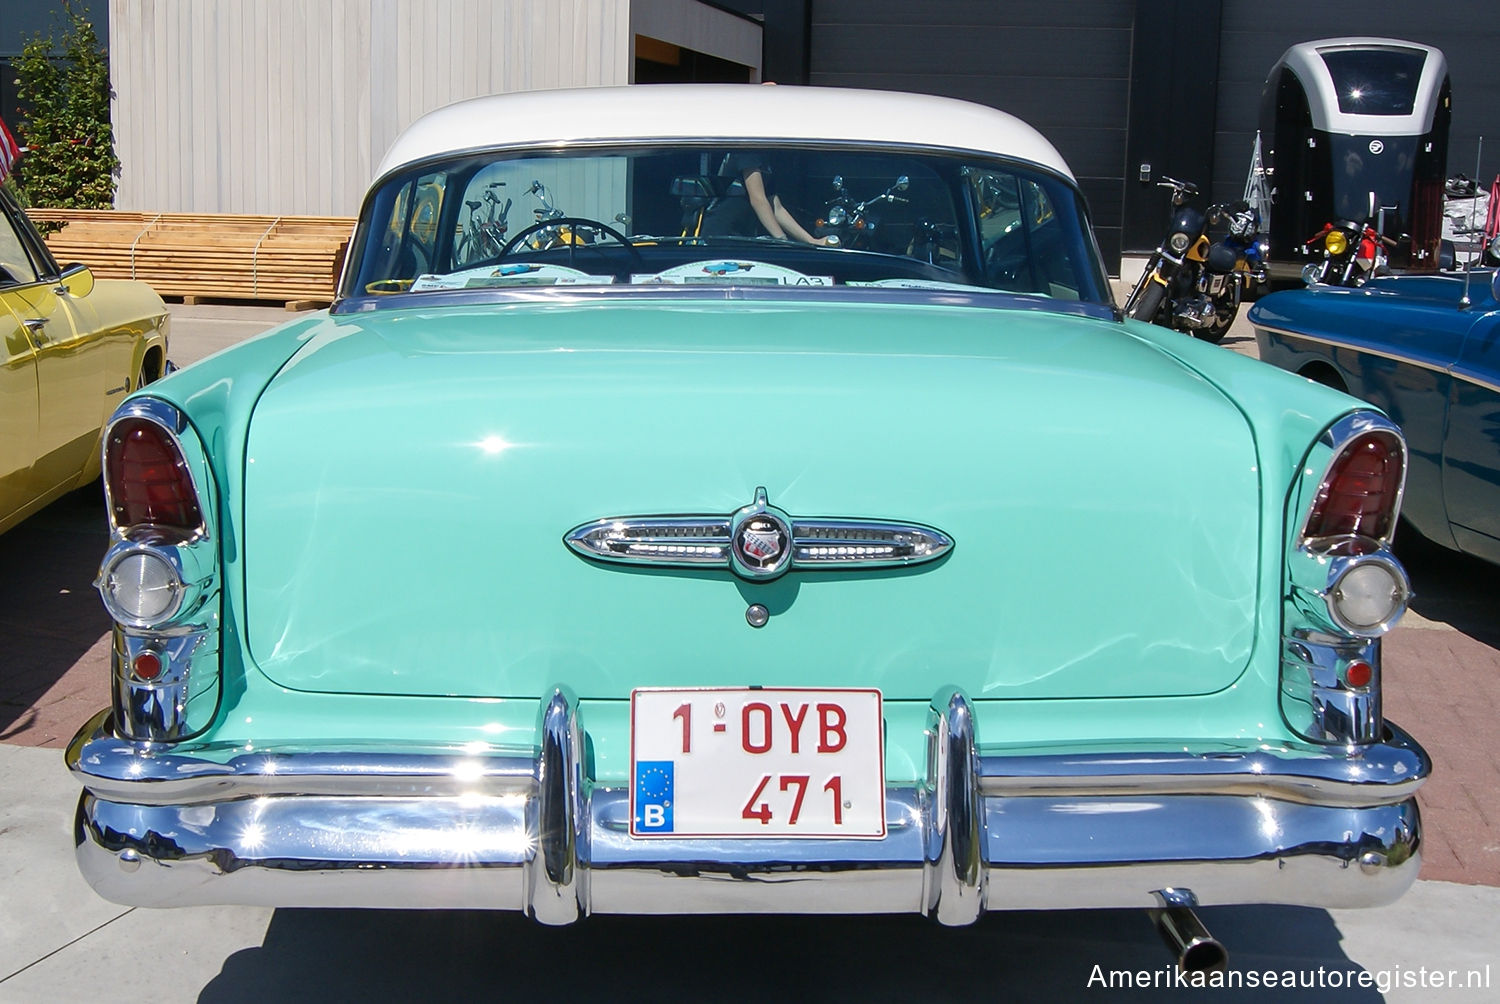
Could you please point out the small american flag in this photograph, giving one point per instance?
(10, 151)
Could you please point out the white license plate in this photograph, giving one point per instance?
(739, 762)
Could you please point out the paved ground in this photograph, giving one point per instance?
(59, 940)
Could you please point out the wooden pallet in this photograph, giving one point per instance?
(293, 259)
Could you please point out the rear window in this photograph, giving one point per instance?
(1376, 81)
(728, 214)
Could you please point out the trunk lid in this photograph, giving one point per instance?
(410, 477)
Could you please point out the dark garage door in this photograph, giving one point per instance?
(1064, 68)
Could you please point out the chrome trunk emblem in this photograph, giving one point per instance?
(758, 542)
(761, 541)
(761, 538)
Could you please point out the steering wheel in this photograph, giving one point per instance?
(637, 263)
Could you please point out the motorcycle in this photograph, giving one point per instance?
(852, 224)
(1194, 284)
(1352, 253)
(554, 228)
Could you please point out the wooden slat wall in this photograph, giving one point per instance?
(286, 106)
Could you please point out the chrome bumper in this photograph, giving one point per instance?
(1292, 824)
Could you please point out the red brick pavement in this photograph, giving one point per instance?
(1444, 688)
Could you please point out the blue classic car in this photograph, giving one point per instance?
(731, 499)
(1426, 350)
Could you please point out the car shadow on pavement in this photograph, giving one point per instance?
(1453, 588)
(390, 955)
(49, 612)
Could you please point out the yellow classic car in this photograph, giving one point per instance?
(74, 347)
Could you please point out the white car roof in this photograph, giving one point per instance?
(718, 112)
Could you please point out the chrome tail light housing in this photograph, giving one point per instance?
(1344, 587)
(159, 579)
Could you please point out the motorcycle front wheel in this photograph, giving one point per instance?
(1149, 305)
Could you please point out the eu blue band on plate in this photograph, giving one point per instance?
(653, 796)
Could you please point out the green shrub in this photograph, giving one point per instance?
(70, 159)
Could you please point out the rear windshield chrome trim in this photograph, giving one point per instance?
(577, 296)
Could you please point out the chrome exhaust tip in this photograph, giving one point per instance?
(1195, 949)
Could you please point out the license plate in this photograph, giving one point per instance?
(747, 762)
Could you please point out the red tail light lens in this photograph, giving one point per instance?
(1358, 495)
(148, 478)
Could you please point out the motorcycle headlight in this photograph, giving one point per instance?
(1179, 242)
(1336, 243)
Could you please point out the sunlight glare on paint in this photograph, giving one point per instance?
(494, 445)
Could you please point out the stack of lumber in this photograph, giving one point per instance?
(286, 258)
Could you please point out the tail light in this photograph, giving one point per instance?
(147, 478)
(159, 580)
(1343, 550)
(1345, 587)
(1361, 491)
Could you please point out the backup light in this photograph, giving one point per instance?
(141, 587)
(1367, 597)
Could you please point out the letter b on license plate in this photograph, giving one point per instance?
(756, 763)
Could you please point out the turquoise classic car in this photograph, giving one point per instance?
(668, 522)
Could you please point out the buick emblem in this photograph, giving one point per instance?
(760, 542)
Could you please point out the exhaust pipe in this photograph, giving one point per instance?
(1195, 949)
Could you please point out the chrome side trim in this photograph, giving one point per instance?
(1455, 371)
(1340, 343)
(1471, 377)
